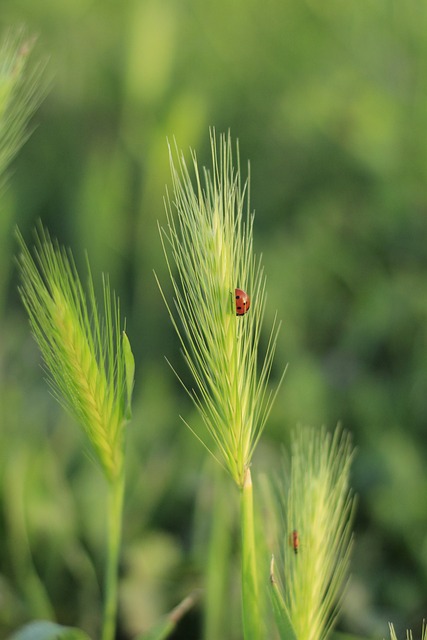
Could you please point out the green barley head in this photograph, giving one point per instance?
(208, 246)
(316, 536)
(21, 91)
(89, 362)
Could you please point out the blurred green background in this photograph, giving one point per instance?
(329, 102)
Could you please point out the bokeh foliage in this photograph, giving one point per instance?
(329, 103)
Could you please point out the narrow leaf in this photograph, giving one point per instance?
(160, 631)
(129, 373)
(168, 623)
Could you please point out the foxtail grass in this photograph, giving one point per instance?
(208, 244)
(90, 369)
(22, 87)
(314, 516)
(21, 90)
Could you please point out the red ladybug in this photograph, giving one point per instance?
(243, 302)
(294, 541)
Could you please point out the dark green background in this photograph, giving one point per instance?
(329, 102)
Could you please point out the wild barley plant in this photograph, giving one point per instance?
(21, 91)
(90, 370)
(208, 244)
(313, 519)
(22, 87)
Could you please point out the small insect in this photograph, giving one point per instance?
(243, 302)
(294, 541)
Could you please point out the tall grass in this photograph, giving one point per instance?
(209, 241)
(312, 514)
(90, 369)
(22, 87)
(208, 244)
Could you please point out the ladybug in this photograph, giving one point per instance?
(243, 302)
(294, 541)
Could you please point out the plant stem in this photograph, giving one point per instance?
(218, 559)
(115, 508)
(250, 596)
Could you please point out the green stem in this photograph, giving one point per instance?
(250, 596)
(115, 509)
(218, 559)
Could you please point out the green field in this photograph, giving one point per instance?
(328, 101)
